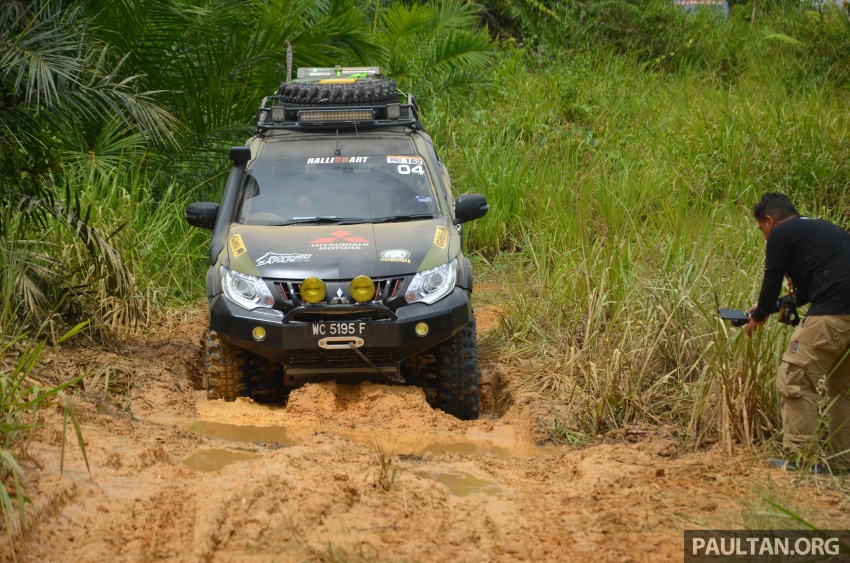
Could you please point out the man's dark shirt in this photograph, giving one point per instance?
(815, 255)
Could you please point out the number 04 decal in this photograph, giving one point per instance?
(407, 169)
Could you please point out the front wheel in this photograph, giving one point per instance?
(457, 374)
(224, 373)
(232, 372)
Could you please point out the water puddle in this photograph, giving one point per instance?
(236, 433)
(213, 459)
(424, 446)
(461, 484)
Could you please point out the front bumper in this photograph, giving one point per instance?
(385, 342)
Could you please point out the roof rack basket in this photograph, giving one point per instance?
(273, 114)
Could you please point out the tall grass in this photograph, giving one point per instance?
(21, 397)
(620, 204)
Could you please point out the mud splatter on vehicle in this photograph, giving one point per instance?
(336, 249)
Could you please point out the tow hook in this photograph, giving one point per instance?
(390, 377)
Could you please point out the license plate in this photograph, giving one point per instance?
(350, 328)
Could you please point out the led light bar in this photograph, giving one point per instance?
(335, 115)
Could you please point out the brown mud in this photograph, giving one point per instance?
(358, 473)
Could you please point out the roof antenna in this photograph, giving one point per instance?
(288, 61)
(338, 149)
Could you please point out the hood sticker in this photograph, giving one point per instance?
(336, 159)
(395, 255)
(405, 160)
(441, 237)
(275, 258)
(237, 246)
(340, 240)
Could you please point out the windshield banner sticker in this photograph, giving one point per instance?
(441, 238)
(275, 258)
(237, 246)
(395, 255)
(337, 159)
(405, 160)
(340, 240)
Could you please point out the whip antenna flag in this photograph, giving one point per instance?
(288, 61)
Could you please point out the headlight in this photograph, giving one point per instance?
(246, 291)
(432, 285)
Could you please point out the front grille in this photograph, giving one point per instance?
(386, 289)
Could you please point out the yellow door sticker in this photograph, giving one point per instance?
(237, 246)
(441, 237)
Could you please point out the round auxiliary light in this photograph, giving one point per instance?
(362, 289)
(421, 329)
(259, 333)
(313, 290)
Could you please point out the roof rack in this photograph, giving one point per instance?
(273, 114)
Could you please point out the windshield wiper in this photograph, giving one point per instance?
(402, 218)
(320, 221)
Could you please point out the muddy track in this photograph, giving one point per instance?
(355, 473)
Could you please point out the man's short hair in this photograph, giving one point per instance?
(776, 205)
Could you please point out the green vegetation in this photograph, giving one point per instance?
(621, 145)
(621, 180)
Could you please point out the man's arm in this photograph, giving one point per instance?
(771, 285)
(775, 265)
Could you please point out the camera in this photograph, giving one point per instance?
(787, 308)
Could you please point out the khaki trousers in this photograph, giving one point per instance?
(818, 348)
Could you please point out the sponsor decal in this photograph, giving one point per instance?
(395, 255)
(237, 246)
(405, 160)
(441, 238)
(340, 240)
(275, 258)
(337, 159)
(424, 199)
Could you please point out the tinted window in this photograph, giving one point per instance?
(365, 188)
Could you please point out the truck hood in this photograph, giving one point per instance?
(342, 252)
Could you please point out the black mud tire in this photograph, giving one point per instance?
(224, 376)
(263, 379)
(457, 374)
(364, 92)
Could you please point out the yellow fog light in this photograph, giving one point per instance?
(421, 329)
(362, 289)
(313, 290)
(259, 333)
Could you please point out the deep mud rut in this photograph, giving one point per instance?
(356, 473)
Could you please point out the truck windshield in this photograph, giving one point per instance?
(356, 188)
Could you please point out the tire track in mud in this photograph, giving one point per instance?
(351, 472)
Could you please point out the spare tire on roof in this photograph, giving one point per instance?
(362, 91)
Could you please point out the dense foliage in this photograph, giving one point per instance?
(621, 144)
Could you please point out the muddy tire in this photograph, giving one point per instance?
(224, 376)
(366, 91)
(457, 374)
(263, 379)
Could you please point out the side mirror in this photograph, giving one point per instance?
(470, 207)
(202, 214)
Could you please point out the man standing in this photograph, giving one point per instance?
(815, 256)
